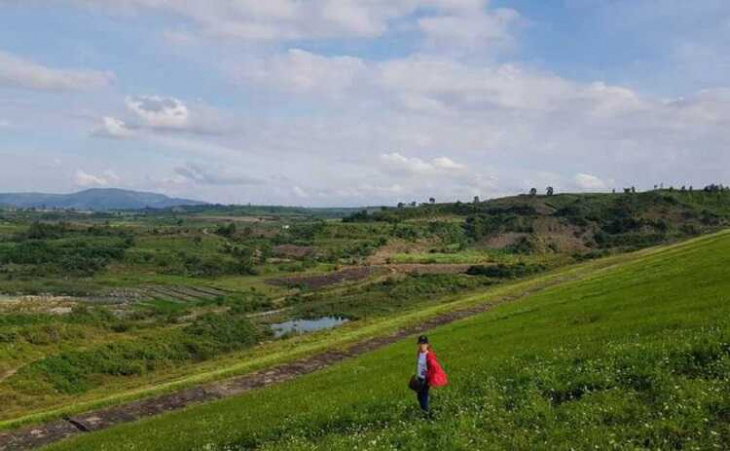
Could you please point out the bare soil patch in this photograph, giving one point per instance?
(315, 282)
(394, 247)
(57, 305)
(503, 240)
(293, 251)
(419, 268)
(249, 219)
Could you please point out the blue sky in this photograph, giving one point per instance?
(355, 102)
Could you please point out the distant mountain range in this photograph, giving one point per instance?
(97, 199)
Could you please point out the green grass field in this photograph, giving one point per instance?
(635, 356)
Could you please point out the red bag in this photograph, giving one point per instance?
(435, 375)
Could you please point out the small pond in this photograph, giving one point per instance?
(299, 326)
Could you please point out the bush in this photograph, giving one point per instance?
(227, 332)
(385, 297)
(74, 257)
(43, 231)
(248, 302)
(502, 271)
(497, 221)
(74, 372)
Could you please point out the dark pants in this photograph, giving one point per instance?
(422, 395)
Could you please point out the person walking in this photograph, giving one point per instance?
(428, 374)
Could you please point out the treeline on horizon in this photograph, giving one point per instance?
(414, 210)
(56, 213)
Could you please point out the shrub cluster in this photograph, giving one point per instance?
(385, 297)
(71, 256)
(78, 371)
(503, 271)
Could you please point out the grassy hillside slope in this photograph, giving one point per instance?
(582, 224)
(635, 356)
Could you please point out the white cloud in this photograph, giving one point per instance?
(281, 20)
(112, 127)
(458, 5)
(301, 71)
(214, 176)
(4, 123)
(274, 19)
(154, 114)
(470, 29)
(458, 86)
(447, 163)
(159, 112)
(111, 176)
(18, 72)
(362, 191)
(431, 84)
(395, 162)
(300, 192)
(710, 106)
(85, 179)
(610, 100)
(436, 84)
(590, 182)
(198, 147)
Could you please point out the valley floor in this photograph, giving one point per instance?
(629, 352)
(341, 345)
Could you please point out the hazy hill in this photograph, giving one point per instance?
(94, 199)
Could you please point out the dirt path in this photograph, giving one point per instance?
(36, 436)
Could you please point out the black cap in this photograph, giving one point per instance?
(423, 340)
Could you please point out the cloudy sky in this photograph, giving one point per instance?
(362, 102)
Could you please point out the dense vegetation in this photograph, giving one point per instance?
(383, 298)
(502, 271)
(632, 357)
(598, 221)
(46, 249)
(76, 371)
(47, 252)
